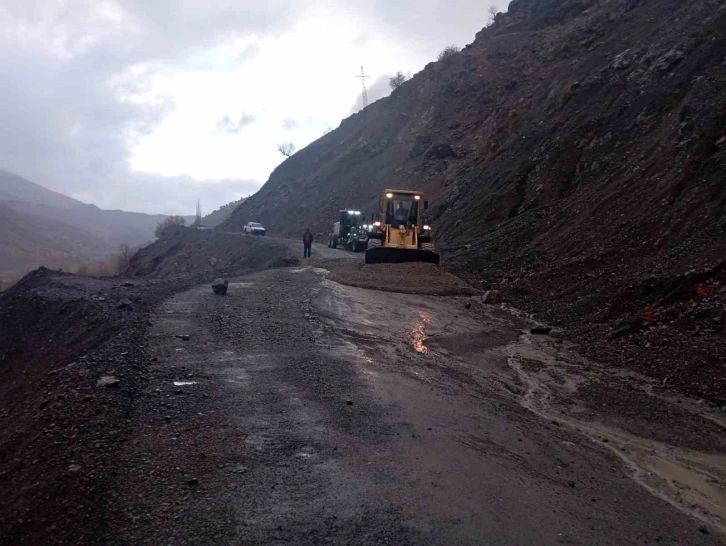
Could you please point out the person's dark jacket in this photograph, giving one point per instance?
(308, 238)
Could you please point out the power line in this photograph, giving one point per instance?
(363, 77)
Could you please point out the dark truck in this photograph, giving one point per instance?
(350, 231)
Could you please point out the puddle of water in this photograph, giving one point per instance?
(305, 453)
(317, 270)
(183, 383)
(417, 334)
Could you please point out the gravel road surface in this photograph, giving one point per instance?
(296, 410)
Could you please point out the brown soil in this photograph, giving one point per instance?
(408, 278)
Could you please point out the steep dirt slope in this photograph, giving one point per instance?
(574, 156)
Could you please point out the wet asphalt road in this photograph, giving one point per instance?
(304, 412)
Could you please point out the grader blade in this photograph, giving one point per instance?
(383, 255)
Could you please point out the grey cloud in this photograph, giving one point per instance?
(289, 124)
(249, 53)
(430, 25)
(62, 125)
(179, 194)
(361, 39)
(226, 125)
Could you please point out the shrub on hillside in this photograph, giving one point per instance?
(286, 149)
(169, 221)
(397, 81)
(123, 260)
(448, 52)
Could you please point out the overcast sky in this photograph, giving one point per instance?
(147, 105)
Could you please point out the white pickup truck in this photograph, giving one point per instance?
(254, 228)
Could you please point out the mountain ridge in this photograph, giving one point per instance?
(33, 215)
(17, 188)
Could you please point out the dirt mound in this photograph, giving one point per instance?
(73, 365)
(409, 278)
(185, 251)
(59, 431)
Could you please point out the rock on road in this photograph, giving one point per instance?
(300, 411)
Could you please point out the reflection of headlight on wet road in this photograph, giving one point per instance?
(417, 335)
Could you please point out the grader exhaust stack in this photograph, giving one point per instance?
(399, 234)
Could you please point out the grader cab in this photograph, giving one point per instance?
(399, 233)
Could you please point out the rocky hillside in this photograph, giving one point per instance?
(561, 101)
(574, 155)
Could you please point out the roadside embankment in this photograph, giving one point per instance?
(73, 365)
(189, 251)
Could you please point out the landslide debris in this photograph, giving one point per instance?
(408, 278)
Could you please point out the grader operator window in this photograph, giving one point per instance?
(402, 210)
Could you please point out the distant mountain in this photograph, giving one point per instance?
(222, 213)
(115, 227)
(29, 240)
(16, 188)
(43, 227)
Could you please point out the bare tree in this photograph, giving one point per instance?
(397, 81)
(492, 11)
(286, 149)
(169, 221)
(448, 52)
(198, 216)
(124, 258)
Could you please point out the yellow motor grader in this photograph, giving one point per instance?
(398, 232)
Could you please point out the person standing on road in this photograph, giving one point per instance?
(307, 243)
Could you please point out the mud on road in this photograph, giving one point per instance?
(303, 411)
